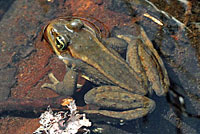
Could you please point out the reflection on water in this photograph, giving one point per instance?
(174, 36)
(180, 57)
(4, 6)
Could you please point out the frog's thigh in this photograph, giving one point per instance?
(65, 87)
(155, 70)
(126, 105)
(119, 45)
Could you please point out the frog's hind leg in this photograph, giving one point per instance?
(118, 103)
(144, 59)
(65, 87)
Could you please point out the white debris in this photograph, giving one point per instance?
(62, 122)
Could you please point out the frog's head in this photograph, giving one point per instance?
(58, 33)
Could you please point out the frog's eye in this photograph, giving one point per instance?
(75, 24)
(62, 43)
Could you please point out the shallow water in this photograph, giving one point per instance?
(26, 62)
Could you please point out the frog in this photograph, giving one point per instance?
(122, 83)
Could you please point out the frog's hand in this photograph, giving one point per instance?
(126, 105)
(65, 87)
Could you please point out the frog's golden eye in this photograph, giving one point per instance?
(62, 43)
(75, 24)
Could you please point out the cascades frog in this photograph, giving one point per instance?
(123, 83)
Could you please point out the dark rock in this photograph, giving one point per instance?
(7, 80)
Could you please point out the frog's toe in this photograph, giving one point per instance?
(48, 85)
(53, 78)
(54, 81)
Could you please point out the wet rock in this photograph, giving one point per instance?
(5, 59)
(20, 25)
(7, 80)
(4, 6)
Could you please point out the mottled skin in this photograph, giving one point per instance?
(123, 84)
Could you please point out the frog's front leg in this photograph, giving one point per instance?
(122, 104)
(65, 87)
